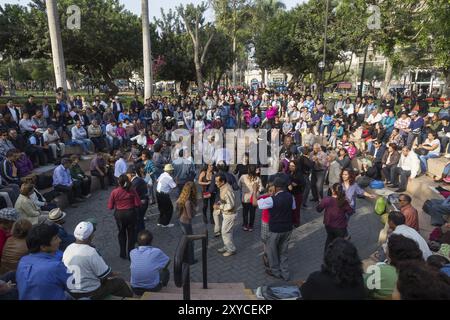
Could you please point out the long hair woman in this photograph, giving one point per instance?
(205, 180)
(186, 207)
(246, 183)
(351, 188)
(337, 212)
(125, 201)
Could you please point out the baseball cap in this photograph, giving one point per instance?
(83, 230)
(413, 113)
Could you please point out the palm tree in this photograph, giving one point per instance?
(56, 41)
(148, 81)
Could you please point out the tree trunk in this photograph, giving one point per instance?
(387, 79)
(113, 90)
(234, 62)
(148, 81)
(446, 90)
(56, 42)
(184, 86)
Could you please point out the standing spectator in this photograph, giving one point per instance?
(337, 213)
(149, 265)
(410, 213)
(187, 207)
(320, 166)
(165, 184)
(205, 181)
(296, 183)
(120, 166)
(80, 137)
(79, 177)
(226, 206)
(15, 247)
(53, 141)
(125, 201)
(62, 182)
(408, 168)
(184, 169)
(140, 186)
(246, 183)
(30, 106)
(280, 229)
(341, 277)
(95, 279)
(41, 275)
(13, 111)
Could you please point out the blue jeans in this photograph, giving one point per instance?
(322, 129)
(85, 144)
(423, 161)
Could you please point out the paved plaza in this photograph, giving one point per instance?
(305, 250)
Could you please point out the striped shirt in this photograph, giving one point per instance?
(146, 262)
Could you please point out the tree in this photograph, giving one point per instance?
(56, 43)
(148, 83)
(108, 36)
(201, 34)
(234, 15)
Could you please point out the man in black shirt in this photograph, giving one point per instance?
(140, 186)
(30, 106)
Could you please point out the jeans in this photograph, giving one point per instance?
(126, 221)
(387, 171)
(423, 161)
(317, 181)
(54, 149)
(404, 176)
(437, 208)
(411, 138)
(323, 127)
(85, 144)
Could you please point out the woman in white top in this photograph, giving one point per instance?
(246, 183)
(433, 145)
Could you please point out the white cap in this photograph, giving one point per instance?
(83, 231)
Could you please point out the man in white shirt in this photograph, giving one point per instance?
(80, 137)
(374, 117)
(165, 184)
(396, 221)
(111, 135)
(120, 167)
(408, 168)
(52, 139)
(91, 276)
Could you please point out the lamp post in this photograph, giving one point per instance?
(321, 66)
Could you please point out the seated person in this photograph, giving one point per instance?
(62, 182)
(341, 277)
(148, 266)
(53, 141)
(381, 278)
(78, 176)
(408, 168)
(26, 207)
(24, 165)
(101, 169)
(8, 169)
(57, 217)
(16, 246)
(95, 279)
(41, 275)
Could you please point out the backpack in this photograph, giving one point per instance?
(380, 206)
(376, 184)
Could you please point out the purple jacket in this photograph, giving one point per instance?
(24, 166)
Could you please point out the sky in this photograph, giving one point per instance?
(156, 5)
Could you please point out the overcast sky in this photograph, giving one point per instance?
(155, 5)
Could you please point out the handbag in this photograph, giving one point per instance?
(421, 151)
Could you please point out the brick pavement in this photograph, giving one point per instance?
(305, 250)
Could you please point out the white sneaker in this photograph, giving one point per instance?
(447, 156)
(170, 225)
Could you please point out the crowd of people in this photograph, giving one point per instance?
(331, 150)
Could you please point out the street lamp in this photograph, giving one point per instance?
(321, 66)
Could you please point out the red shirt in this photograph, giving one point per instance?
(121, 199)
(411, 216)
(3, 237)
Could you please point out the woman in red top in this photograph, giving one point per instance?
(125, 200)
(337, 212)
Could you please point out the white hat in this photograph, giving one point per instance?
(56, 215)
(83, 231)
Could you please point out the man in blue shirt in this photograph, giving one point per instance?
(41, 275)
(148, 266)
(415, 129)
(62, 182)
